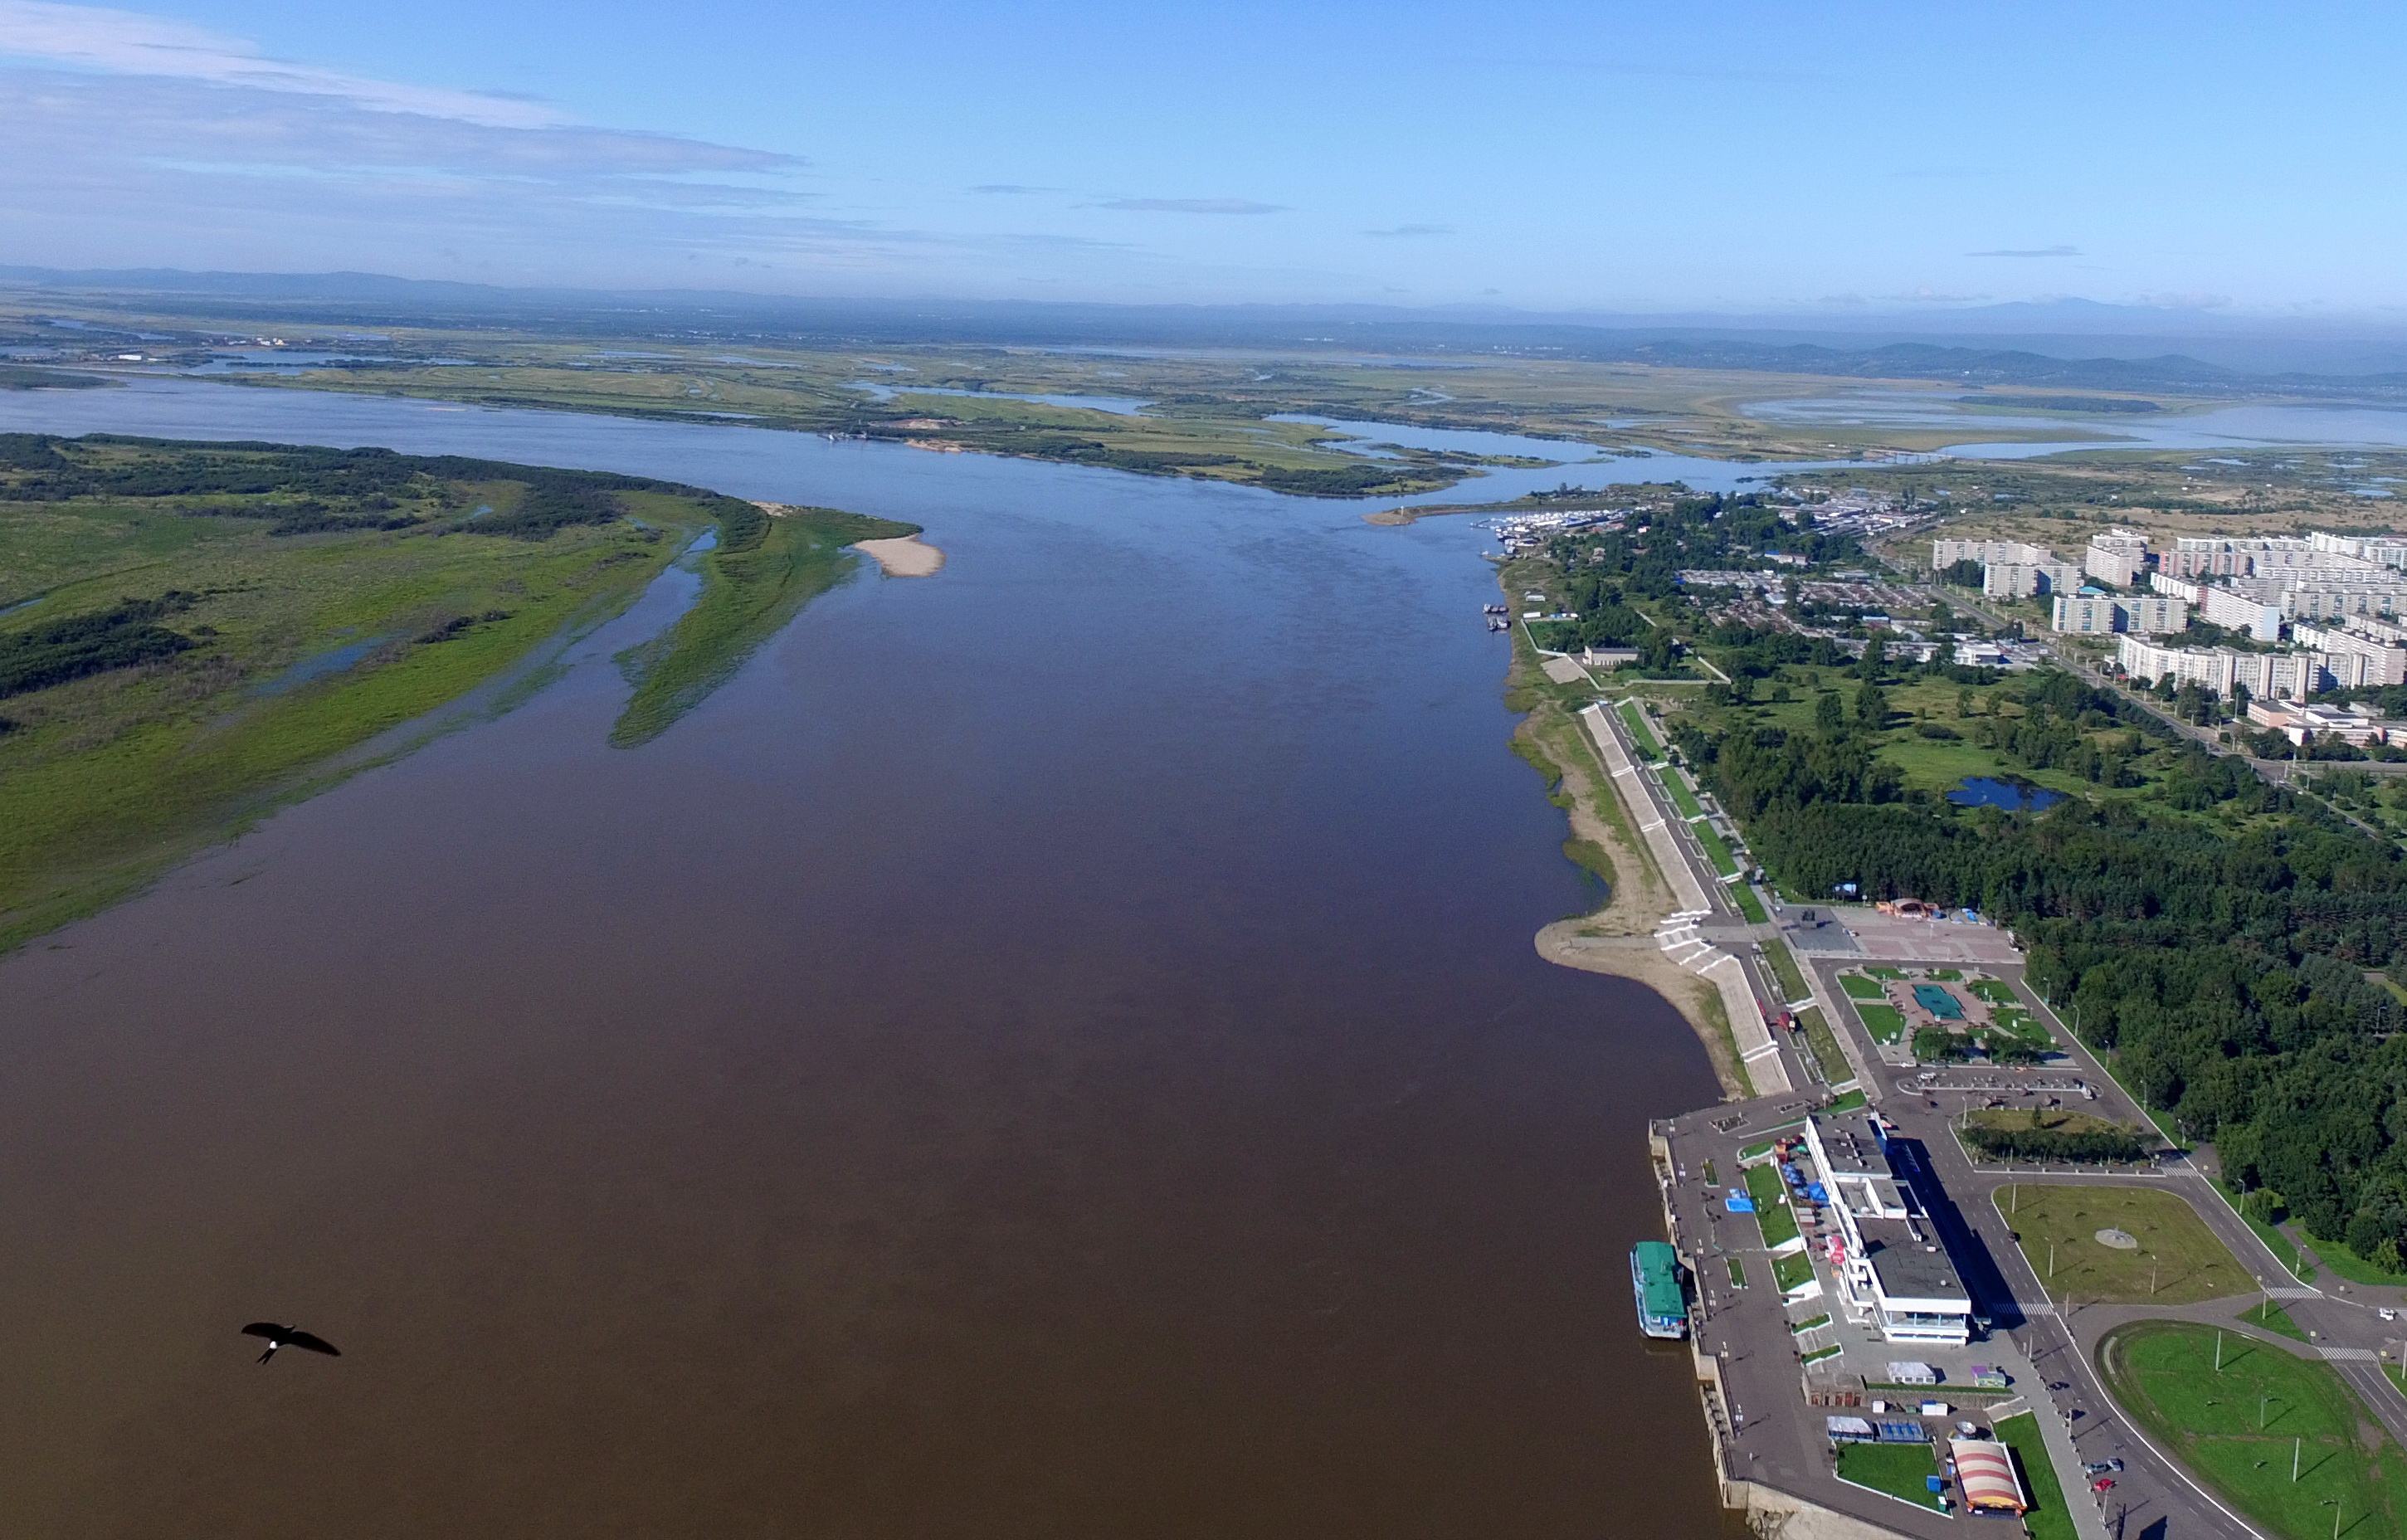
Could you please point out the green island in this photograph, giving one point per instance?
(2243, 1415)
(763, 569)
(192, 634)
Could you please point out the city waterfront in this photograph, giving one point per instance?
(1054, 1047)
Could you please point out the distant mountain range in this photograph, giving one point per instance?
(2069, 343)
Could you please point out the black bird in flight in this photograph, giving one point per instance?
(288, 1336)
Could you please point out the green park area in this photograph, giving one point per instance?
(1682, 798)
(1636, 721)
(1825, 1045)
(2048, 1517)
(1748, 905)
(2280, 1438)
(1860, 988)
(1901, 1470)
(2177, 1260)
(1886, 1023)
(2270, 1316)
(1784, 970)
(1772, 1214)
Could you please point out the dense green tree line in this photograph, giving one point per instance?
(333, 489)
(2227, 968)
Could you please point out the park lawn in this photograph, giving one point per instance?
(1945, 975)
(1792, 1271)
(1825, 1045)
(1716, 850)
(1785, 969)
(2190, 1264)
(1886, 1023)
(2279, 1245)
(2273, 1318)
(1636, 720)
(1771, 1213)
(2048, 1517)
(1848, 1102)
(1901, 1470)
(1994, 991)
(1682, 798)
(1738, 1273)
(1860, 988)
(1748, 905)
(2163, 1374)
(2356, 1269)
(1886, 972)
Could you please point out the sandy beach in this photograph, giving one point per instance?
(1619, 938)
(908, 557)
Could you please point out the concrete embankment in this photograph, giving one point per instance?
(1679, 937)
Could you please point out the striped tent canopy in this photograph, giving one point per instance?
(1984, 1472)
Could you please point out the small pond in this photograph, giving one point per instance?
(2015, 796)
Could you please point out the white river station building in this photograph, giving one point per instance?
(1895, 1273)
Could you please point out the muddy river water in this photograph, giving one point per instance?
(1052, 1049)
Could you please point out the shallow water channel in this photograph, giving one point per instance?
(1051, 1050)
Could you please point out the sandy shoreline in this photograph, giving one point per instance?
(1619, 938)
(906, 557)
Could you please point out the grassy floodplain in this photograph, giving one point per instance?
(2189, 1263)
(2239, 1429)
(191, 635)
(762, 571)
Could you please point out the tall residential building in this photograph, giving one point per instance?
(2029, 580)
(2005, 554)
(2292, 675)
(2116, 556)
(2238, 610)
(2097, 615)
(2356, 658)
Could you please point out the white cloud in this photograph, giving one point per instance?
(120, 42)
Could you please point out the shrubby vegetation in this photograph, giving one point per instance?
(2090, 1146)
(120, 636)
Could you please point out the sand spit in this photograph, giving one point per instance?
(908, 557)
(1619, 939)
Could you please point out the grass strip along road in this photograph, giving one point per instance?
(2245, 1425)
(2048, 1517)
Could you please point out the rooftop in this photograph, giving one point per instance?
(1908, 1268)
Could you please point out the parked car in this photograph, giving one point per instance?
(2102, 1467)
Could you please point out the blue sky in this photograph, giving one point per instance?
(1594, 156)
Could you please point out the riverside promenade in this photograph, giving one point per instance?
(1683, 936)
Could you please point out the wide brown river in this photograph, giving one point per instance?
(1052, 1049)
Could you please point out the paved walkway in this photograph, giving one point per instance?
(1681, 937)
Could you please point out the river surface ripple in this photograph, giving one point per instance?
(1051, 1050)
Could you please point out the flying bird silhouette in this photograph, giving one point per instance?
(289, 1337)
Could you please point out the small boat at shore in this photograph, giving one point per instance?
(1655, 1280)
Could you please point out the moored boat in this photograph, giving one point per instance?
(1655, 1279)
